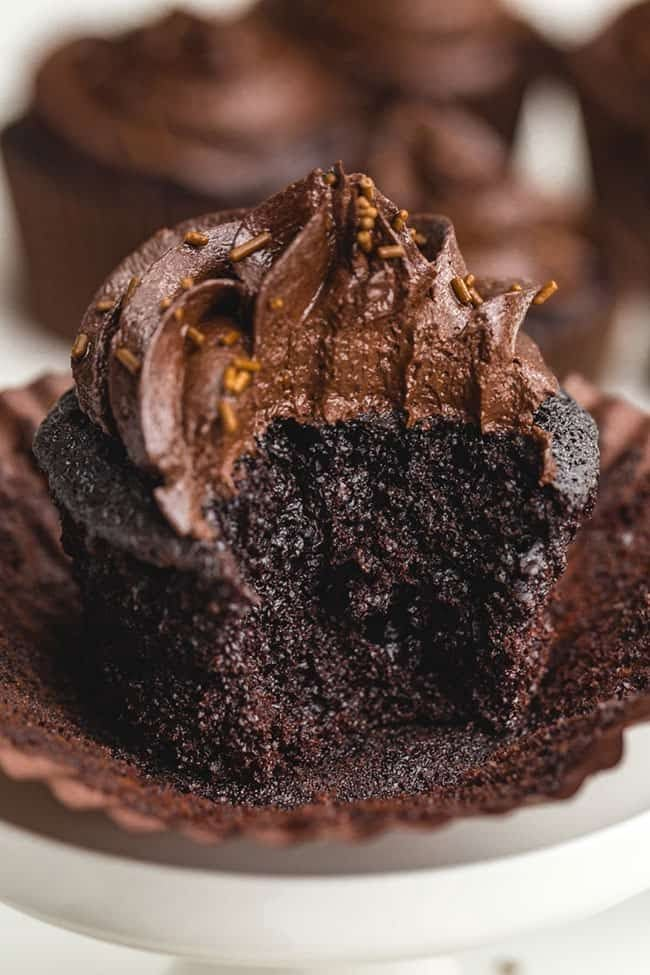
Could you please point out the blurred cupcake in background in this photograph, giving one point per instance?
(130, 133)
(612, 73)
(473, 52)
(448, 161)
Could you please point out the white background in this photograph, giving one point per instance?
(615, 943)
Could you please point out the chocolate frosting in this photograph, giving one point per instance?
(432, 49)
(615, 66)
(227, 108)
(331, 331)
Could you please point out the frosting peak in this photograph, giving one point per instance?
(317, 306)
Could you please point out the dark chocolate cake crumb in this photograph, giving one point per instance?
(598, 683)
(379, 597)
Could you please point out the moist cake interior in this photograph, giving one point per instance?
(389, 577)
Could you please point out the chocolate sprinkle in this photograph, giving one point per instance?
(364, 240)
(228, 416)
(389, 251)
(399, 222)
(249, 365)
(240, 382)
(79, 347)
(545, 293)
(367, 187)
(128, 360)
(250, 247)
(195, 238)
(196, 336)
(231, 337)
(132, 285)
(475, 296)
(461, 290)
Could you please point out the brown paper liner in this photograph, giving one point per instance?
(599, 683)
(78, 218)
(619, 161)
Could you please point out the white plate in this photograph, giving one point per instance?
(401, 896)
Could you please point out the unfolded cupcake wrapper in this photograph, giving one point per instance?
(598, 685)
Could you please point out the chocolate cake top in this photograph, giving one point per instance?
(319, 305)
(615, 65)
(208, 102)
(439, 49)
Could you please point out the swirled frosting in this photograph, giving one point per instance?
(325, 319)
(224, 107)
(615, 66)
(438, 49)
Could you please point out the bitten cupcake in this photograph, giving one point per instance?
(129, 133)
(445, 160)
(612, 73)
(313, 488)
(474, 52)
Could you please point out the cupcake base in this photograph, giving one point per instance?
(357, 623)
(419, 776)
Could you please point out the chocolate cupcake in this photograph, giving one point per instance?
(138, 131)
(474, 53)
(444, 160)
(612, 73)
(312, 489)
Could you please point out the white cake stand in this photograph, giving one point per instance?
(403, 897)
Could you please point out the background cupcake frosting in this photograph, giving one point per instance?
(555, 159)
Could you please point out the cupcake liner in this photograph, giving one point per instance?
(598, 685)
(622, 190)
(78, 218)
